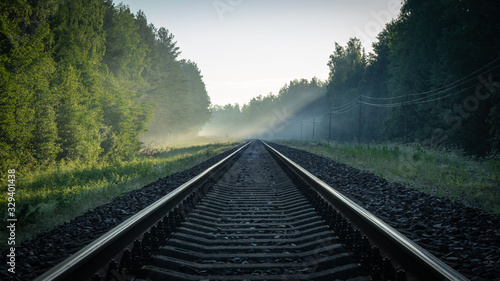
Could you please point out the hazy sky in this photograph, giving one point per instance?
(246, 48)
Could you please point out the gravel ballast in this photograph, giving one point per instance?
(33, 257)
(467, 239)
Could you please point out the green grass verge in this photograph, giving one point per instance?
(449, 174)
(47, 198)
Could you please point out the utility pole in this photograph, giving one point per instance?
(301, 122)
(359, 120)
(314, 123)
(330, 127)
(405, 109)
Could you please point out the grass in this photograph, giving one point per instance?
(443, 173)
(47, 198)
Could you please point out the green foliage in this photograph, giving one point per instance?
(125, 52)
(78, 84)
(494, 119)
(270, 116)
(197, 97)
(78, 123)
(430, 79)
(443, 173)
(60, 192)
(79, 37)
(435, 44)
(25, 72)
(347, 67)
(124, 119)
(79, 81)
(175, 87)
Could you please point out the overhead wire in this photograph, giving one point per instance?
(449, 95)
(420, 100)
(429, 98)
(345, 105)
(435, 95)
(383, 105)
(346, 109)
(459, 81)
(448, 87)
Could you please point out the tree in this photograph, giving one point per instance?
(347, 69)
(376, 78)
(27, 129)
(270, 116)
(168, 88)
(198, 100)
(79, 46)
(125, 112)
(125, 52)
(469, 42)
(78, 80)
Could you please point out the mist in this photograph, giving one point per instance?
(272, 116)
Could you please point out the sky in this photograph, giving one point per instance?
(247, 48)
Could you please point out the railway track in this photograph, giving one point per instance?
(253, 216)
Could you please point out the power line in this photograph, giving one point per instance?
(346, 110)
(473, 73)
(446, 87)
(424, 99)
(345, 105)
(443, 92)
(389, 105)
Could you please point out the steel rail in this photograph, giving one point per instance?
(415, 260)
(83, 264)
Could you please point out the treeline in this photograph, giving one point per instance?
(82, 79)
(430, 79)
(272, 115)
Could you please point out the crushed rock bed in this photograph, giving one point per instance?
(467, 239)
(38, 255)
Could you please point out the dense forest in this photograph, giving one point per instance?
(272, 115)
(87, 80)
(80, 80)
(430, 79)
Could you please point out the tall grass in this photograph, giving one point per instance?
(445, 173)
(49, 197)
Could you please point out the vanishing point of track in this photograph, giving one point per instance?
(253, 216)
